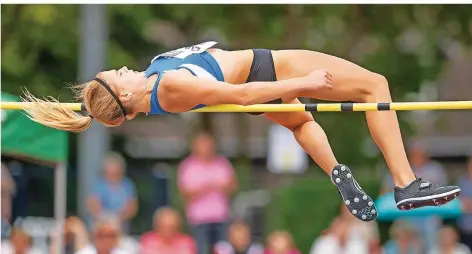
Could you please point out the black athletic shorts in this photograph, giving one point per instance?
(263, 69)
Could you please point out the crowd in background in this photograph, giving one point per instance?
(206, 183)
(415, 235)
(428, 234)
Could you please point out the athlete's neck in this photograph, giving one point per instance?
(145, 105)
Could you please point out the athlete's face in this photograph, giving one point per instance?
(129, 86)
(125, 80)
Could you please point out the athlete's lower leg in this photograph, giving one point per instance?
(385, 131)
(309, 135)
(313, 140)
(409, 191)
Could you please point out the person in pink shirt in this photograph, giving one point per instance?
(206, 182)
(167, 237)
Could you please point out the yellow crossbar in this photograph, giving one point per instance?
(318, 107)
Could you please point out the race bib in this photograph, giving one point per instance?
(182, 53)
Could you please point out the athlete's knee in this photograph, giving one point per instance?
(377, 89)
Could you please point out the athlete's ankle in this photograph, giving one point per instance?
(404, 181)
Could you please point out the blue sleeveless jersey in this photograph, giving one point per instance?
(194, 59)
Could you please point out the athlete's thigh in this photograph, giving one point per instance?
(351, 82)
(290, 120)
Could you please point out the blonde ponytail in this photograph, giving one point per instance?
(50, 112)
(99, 101)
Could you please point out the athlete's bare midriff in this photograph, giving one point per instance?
(235, 65)
(288, 63)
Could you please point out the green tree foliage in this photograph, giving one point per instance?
(39, 47)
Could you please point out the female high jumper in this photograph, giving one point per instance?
(200, 75)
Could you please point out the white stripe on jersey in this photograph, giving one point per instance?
(199, 71)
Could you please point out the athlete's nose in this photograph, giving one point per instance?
(125, 69)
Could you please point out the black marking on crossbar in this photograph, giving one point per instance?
(383, 106)
(311, 107)
(347, 106)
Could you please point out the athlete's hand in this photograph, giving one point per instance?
(319, 79)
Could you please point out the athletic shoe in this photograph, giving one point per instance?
(355, 199)
(420, 193)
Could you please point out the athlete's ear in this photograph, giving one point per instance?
(125, 97)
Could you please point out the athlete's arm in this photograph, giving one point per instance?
(180, 91)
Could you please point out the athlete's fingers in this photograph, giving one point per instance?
(328, 83)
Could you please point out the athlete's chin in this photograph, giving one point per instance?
(131, 116)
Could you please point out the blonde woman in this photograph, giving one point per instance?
(199, 75)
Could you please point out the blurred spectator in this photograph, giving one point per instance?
(337, 240)
(366, 232)
(423, 167)
(348, 235)
(167, 237)
(465, 222)
(448, 243)
(20, 243)
(239, 241)
(8, 190)
(107, 238)
(75, 236)
(115, 194)
(206, 182)
(404, 239)
(280, 242)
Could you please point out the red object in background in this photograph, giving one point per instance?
(152, 243)
(289, 252)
